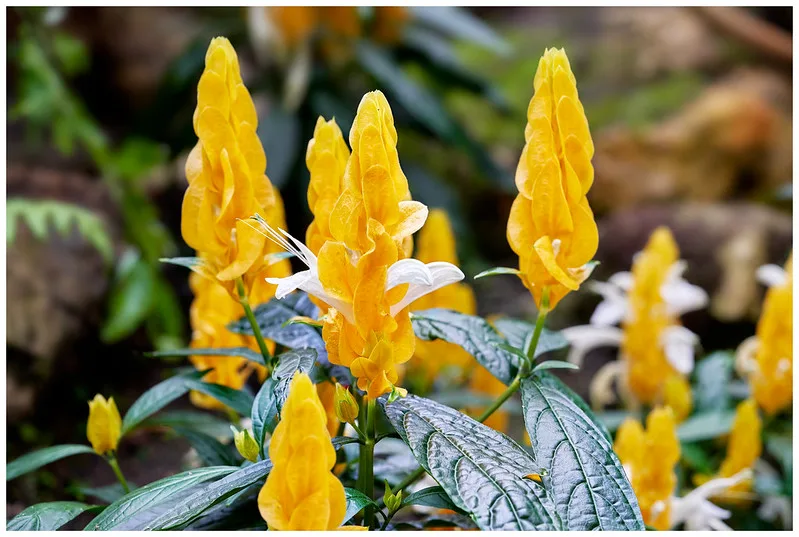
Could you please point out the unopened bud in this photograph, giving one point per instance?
(246, 444)
(345, 405)
(393, 501)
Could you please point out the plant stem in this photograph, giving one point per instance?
(366, 462)
(543, 311)
(256, 330)
(512, 388)
(112, 461)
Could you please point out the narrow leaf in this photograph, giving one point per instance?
(706, 426)
(211, 451)
(237, 400)
(497, 270)
(157, 398)
(47, 516)
(239, 352)
(554, 364)
(431, 497)
(202, 422)
(264, 413)
(188, 262)
(37, 459)
(458, 23)
(356, 500)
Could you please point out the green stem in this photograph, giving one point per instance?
(543, 311)
(510, 390)
(366, 462)
(112, 461)
(256, 330)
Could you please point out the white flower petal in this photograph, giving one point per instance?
(613, 309)
(308, 281)
(442, 274)
(586, 337)
(678, 343)
(682, 297)
(408, 271)
(771, 275)
(697, 511)
(307, 256)
(622, 280)
(289, 283)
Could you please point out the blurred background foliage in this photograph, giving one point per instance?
(690, 110)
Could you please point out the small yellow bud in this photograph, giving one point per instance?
(393, 501)
(246, 444)
(105, 426)
(345, 404)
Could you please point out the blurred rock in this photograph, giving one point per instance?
(56, 288)
(732, 142)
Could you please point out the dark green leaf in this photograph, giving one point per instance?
(37, 459)
(157, 398)
(237, 400)
(239, 512)
(129, 303)
(135, 510)
(780, 446)
(108, 494)
(289, 363)
(241, 352)
(713, 374)
(458, 23)
(431, 497)
(47, 516)
(279, 131)
(271, 317)
(554, 364)
(579, 459)
(339, 441)
(189, 419)
(264, 413)
(481, 470)
(706, 426)
(356, 500)
(696, 458)
(517, 332)
(190, 508)
(211, 451)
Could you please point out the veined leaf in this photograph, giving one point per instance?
(37, 459)
(356, 500)
(271, 317)
(135, 510)
(47, 516)
(237, 400)
(482, 471)
(480, 339)
(518, 332)
(583, 470)
(108, 494)
(264, 413)
(554, 364)
(157, 398)
(211, 451)
(239, 352)
(193, 506)
(431, 497)
(289, 363)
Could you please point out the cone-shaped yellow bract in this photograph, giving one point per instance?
(105, 426)
(649, 457)
(227, 184)
(551, 227)
(372, 222)
(301, 492)
(772, 379)
(744, 446)
(648, 368)
(436, 242)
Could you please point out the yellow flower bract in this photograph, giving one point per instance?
(551, 227)
(649, 457)
(104, 426)
(301, 492)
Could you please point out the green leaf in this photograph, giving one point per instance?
(37, 459)
(280, 132)
(780, 446)
(579, 460)
(481, 340)
(554, 364)
(47, 516)
(264, 413)
(240, 352)
(460, 24)
(188, 262)
(431, 497)
(518, 332)
(271, 317)
(695, 457)
(108, 494)
(289, 363)
(130, 303)
(482, 470)
(189, 508)
(202, 422)
(356, 500)
(495, 271)
(339, 441)
(612, 419)
(239, 512)
(135, 510)
(713, 374)
(211, 451)
(237, 400)
(157, 398)
(706, 426)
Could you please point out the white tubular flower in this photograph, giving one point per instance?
(771, 275)
(421, 278)
(697, 512)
